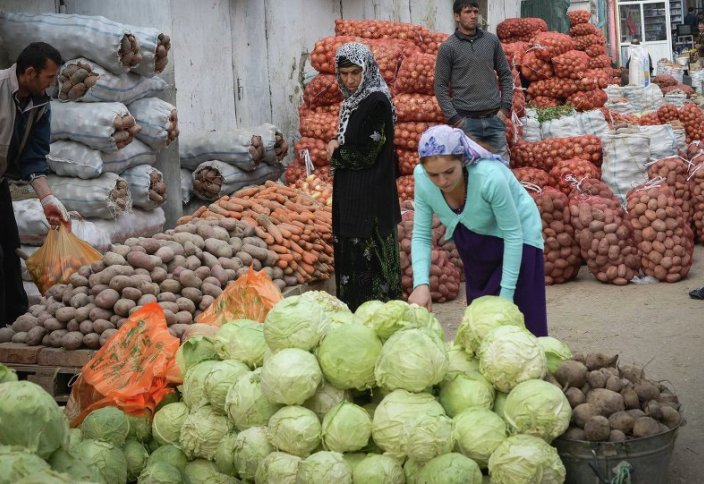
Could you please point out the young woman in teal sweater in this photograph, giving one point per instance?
(492, 219)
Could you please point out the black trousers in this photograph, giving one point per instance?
(13, 298)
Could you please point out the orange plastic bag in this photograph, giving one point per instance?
(130, 371)
(61, 255)
(251, 296)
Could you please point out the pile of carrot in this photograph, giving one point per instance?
(292, 223)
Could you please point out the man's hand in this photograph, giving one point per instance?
(421, 296)
(54, 211)
(332, 146)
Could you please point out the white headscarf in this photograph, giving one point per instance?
(446, 140)
(372, 81)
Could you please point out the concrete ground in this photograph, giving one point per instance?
(657, 325)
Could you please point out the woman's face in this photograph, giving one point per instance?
(351, 77)
(445, 171)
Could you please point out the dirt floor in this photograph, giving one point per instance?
(654, 324)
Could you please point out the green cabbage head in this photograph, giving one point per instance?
(466, 390)
(459, 361)
(201, 433)
(193, 351)
(326, 397)
(106, 461)
(477, 433)
(509, 355)
(224, 455)
(161, 473)
(538, 408)
(347, 356)
(140, 427)
(500, 403)
(167, 423)
(65, 462)
(201, 470)
(346, 428)
(245, 403)
(193, 392)
(294, 322)
(324, 468)
(295, 430)
(555, 351)
(290, 376)
(395, 417)
(390, 317)
(107, 424)
(428, 436)
(30, 418)
(525, 459)
(223, 375)
(6, 374)
(16, 463)
(169, 454)
(452, 468)
(336, 312)
(136, 456)
(422, 318)
(378, 469)
(483, 315)
(241, 340)
(413, 360)
(251, 447)
(277, 468)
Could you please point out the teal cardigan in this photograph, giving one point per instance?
(497, 204)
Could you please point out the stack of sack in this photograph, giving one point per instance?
(107, 125)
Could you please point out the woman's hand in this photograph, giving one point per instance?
(421, 297)
(332, 146)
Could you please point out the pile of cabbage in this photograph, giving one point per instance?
(318, 394)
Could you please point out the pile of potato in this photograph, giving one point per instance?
(612, 402)
(126, 128)
(184, 269)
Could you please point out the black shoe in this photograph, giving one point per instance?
(697, 293)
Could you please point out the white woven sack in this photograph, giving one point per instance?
(663, 141)
(31, 222)
(136, 223)
(96, 38)
(92, 124)
(90, 198)
(125, 88)
(153, 115)
(70, 158)
(578, 124)
(233, 147)
(625, 160)
(233, 178)
(135, 153)
(139, 180)
(531, 126)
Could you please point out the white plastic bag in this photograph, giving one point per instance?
(531, 126)
(96, 38)
(638, 66)
(102, 197)
(158, 120)
(70, 158)
(100, 85)
(663, 141)
(625, 162)
(186, 185)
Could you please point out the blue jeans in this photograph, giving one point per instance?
(489, 130)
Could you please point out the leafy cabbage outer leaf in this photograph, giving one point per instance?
(538, 408)
(482, 316)
(525, 458)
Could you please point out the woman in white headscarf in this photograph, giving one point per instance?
(365, 207)
(492, 219)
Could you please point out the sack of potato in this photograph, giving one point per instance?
(158, 119)
(146, 185)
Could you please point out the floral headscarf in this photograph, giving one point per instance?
(446, 140)
(372, 81)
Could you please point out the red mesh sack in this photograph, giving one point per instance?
(588, 100)
(571, 65)
(555, 87)
(591, 186)
(561, 252)
(674, 171)
(544, 102)
(520, 29)
(583, 42)
(696, 189)
(407, 134)
(533, 68)
(599, 61)
(577, 17)
(407, 161)
(605, 239)
(416, 74)
(660, 229)
(405, 186)
(545, 153)
(566, 172)
(548, 45)
(316, 149)
(318, 125)
(515, 52)
(322, 90)
(533, 176)
(584, 29)
(418, 107)
(323, 56)
(595, 50)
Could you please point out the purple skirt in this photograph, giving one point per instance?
(482, 256)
